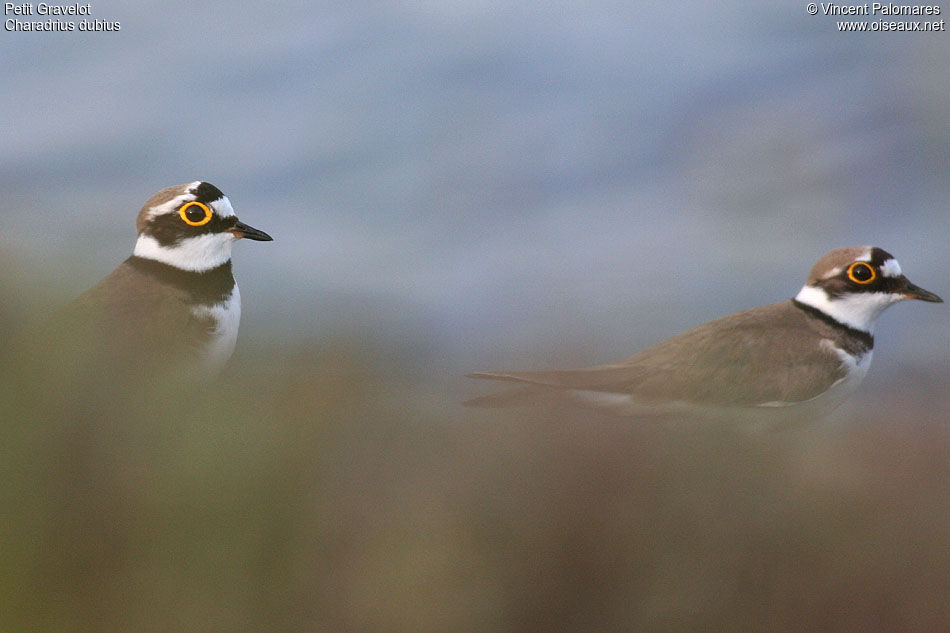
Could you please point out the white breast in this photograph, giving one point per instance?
(227, 317)
(856, 368)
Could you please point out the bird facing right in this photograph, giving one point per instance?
(172, 308)
(804, 356)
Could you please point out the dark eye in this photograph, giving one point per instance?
(195, 213)
(861, 273)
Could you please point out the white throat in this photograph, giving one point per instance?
(858, 310)
(198, 254)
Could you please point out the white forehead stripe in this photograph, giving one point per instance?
(222, 206)
(890, 268)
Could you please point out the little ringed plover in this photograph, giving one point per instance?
(173, 305)
(813, 349)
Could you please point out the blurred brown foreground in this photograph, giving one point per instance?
(314, 489)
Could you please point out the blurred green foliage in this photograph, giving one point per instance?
(316, 488)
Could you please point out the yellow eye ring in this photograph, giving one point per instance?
(861, 273)
(183, 212)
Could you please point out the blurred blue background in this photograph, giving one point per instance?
(490, 184)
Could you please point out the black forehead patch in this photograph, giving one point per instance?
(879, 256)
(206, 192)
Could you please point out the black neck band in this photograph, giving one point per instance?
(208, 287)
(861, 335)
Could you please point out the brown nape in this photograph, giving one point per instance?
(839, 259)
(156, 200)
